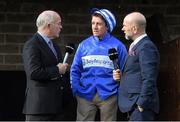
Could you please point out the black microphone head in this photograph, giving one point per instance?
(70, 48)
(113, 54)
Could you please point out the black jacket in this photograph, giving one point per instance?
(44, 83)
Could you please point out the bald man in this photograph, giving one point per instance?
(138, 94)
(42, 57)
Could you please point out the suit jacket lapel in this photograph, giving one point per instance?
(139, 43)
(59, 55)
(133, 49)
(44, 45)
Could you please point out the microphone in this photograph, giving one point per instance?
(69, 50)
(113, 55)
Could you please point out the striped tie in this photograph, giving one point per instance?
(130, 49)
(52, 48)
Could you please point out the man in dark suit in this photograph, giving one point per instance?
(138, 94)
(42, 57)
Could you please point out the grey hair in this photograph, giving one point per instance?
(45, 18)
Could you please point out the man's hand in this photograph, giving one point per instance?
(117, 75)
(62, 68)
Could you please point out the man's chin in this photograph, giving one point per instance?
(96, 35)
(127, 38)
(57, 36)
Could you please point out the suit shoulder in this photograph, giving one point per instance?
(149, 43)
(33, 39)
(32, 42)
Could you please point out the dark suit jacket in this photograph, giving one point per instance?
(138, 83)
(44, 84)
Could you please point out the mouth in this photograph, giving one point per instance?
(95, 31)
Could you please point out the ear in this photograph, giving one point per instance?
(135, 29)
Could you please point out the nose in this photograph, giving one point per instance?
(60, 26)
(95, 26)
(122, 29)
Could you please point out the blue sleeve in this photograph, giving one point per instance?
(75, 71)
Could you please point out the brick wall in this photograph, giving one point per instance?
(17, 21)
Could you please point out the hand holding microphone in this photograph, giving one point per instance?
(117, 75)
(63, 66)
(113, 55)
(69, 50)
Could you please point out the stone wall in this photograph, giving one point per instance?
(17, 22)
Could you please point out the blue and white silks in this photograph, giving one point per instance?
(91, 70)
